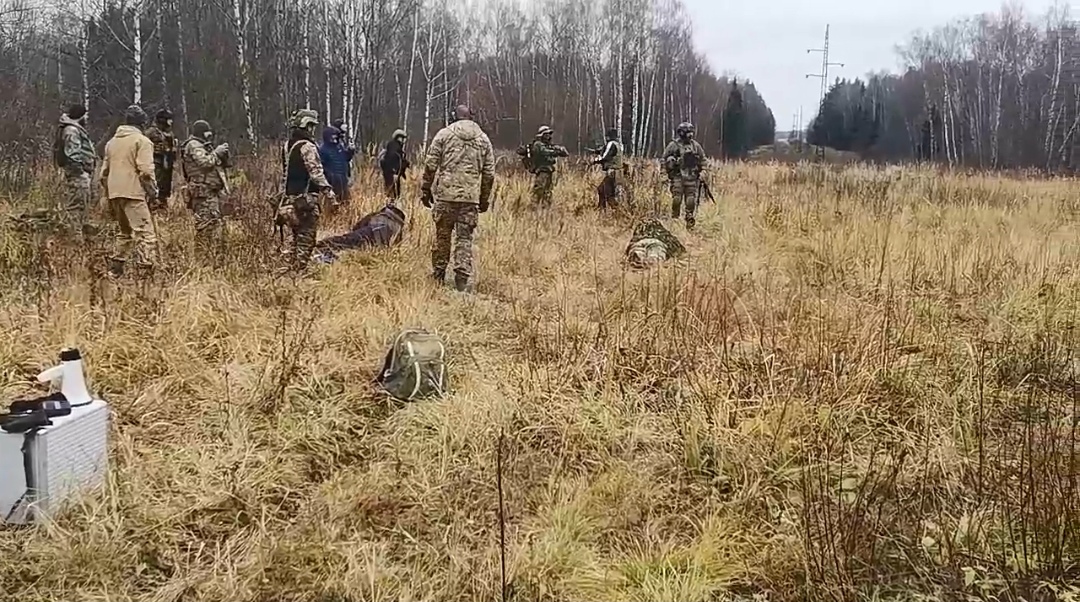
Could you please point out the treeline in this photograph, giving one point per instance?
(994, 91)
(244, 65)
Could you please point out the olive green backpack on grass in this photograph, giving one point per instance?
(415, 366)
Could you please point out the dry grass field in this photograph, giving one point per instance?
(859, 385)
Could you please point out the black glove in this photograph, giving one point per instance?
(484, 205)
(426, 198)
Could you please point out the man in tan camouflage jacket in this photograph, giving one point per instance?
(459, 173)
(206, 183)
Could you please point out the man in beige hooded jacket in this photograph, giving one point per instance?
(128, 181)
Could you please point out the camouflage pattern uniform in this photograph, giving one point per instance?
(304, 183)
(79, 161)
(684, 159)
(652, 228)
(206, 184)
(462, 156)
(161, 134)
(543, 155)
(611, 161)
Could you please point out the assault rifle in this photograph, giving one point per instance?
(703, 186)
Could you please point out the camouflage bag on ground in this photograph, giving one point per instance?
(415, 366)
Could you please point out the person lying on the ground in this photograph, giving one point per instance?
(652, 244)
(382, 228)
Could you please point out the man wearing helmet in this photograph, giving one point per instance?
(683, 160)
(543, 155)
(161, 134)
(202, 163)
(305, 182)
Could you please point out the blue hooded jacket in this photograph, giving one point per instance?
(335, 157)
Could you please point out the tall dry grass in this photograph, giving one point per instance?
(859, 386)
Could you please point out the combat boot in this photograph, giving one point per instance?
(439, 275)
(690, 223)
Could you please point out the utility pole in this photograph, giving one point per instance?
(824, 75)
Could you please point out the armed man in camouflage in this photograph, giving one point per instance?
(161, 134)
(74, 153)
(611, 161)
(305, 183)
(543, 155)
(683, 160)
(203, 167)
(459, 173)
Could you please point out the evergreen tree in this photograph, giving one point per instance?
(849, 118)
(733, 125)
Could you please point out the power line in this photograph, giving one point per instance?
(824, 75)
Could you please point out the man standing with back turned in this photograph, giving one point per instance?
(459, 173)
(129, 183)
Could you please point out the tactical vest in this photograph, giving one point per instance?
(297, 179)
(185, 153)
(615, 161)
(687, 163)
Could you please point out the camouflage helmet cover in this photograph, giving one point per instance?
(399, 134)
(304, 118)
(684, 128)
(544, 130)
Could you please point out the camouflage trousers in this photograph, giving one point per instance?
(456, 220)
(610, 190)
(307, 210)
(77, 200)
(164, 176)
(209, 225)
(543, 183)
(137, 239)
(684, 195)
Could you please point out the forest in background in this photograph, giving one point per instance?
(998, 90)
(244, 65)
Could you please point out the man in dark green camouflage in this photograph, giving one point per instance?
(543, 155)
(161, 134)
(683, 160)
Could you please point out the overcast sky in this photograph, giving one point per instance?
(766, 40)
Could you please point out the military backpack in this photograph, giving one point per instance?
(415, 366)
(525, 153)
(59, 156)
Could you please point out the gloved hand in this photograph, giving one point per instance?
(485, 204)
(222, 150)
(426, 199)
